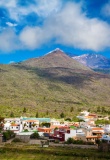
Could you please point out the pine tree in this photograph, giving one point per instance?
(62, 115)
(71, 109)
(47, 112)
(11, 114)
(24, 110)
(37, 115)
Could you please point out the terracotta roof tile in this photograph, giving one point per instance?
(14, 124)
(32, 121)
(98, 129)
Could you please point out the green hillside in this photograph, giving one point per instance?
(49, 91)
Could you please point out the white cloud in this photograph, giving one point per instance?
(9, 41)
(47, 7)
(11, 24)
(106, 9)
(75, 29)
(42, 8)
(70, 26)
(34, 37)
(8, 3)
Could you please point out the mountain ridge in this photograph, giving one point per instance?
(94, 61)
(55, 58)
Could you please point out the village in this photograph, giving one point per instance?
(58, 130)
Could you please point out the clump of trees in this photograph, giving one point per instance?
(103, 110)
(73, 141)
(103, 121)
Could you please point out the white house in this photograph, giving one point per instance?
(55, 122)
(12, 120)
(86, 116)
(74, 134)
(30, 125)
(12, 127)
(7, 126)
(15, 128)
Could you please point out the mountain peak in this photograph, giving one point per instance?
(55, 59)
(58, 49)
(55, 50)
(93, 60)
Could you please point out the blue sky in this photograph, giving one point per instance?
(31, 28)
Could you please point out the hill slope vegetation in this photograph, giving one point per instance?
(51, 85)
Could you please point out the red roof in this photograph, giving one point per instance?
(32, 121)
(98, 129)
(14, 124)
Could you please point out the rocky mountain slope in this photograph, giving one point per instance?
(50, 85)
(95, 61)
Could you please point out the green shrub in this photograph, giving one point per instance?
(73, 141)
(70, 141)
(35, 135)
(26, 130)
(8, 134)
(68, 119)
(79, 142)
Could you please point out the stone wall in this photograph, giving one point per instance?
(24, 138)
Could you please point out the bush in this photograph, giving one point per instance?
(35, 135)
(26, 130)
(79, 142)
(16, 140)
(73, 141)
(8, 134)
(68, 119)
(70, 141)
